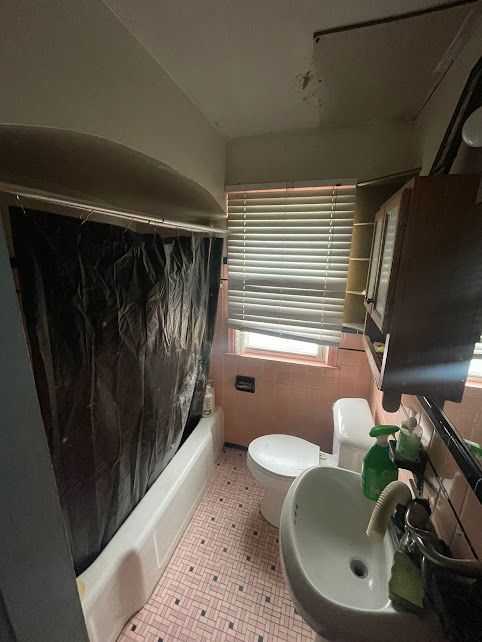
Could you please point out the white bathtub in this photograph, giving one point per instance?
(122, 578)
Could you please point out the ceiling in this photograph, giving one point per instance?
(392, 78)
(242, 62)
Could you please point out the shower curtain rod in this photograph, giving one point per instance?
(54, 199)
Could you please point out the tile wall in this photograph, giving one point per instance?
(290, 398)
(297, 399)
(457, 514)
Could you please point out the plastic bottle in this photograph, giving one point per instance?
(475, 449)
(409, 439)
(378, 469)
(208, 403)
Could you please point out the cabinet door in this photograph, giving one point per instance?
(395, 213)
(375, 259)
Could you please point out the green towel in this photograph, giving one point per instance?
(405, 587)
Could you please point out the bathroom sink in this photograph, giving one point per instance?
(338, 578)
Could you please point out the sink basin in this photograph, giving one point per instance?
(338, 578)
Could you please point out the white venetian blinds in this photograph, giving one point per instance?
(288, 253)
(478, 349)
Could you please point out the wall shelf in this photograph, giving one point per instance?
(359, 327)
(369, 198)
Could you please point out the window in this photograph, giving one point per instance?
(255, 341)
(256, 344)
(288, 254)
(475, 368)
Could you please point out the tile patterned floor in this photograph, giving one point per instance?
(224, 581)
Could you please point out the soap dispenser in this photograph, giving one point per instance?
(378, 469)
(208, 403)
(409, 440)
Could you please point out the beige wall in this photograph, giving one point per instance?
(70, 64)
(433, 121)
(358, 152)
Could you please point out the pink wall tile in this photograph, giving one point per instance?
(427, 429)
(314, 378)
(471, 518)
(431, 486)
(350, 357)
(284, 377)
(450, 475)
(443, 518)
(352, 341)
(467, 416)
(291, 398)
(297, 399)
(460, 546)
(445, 485)
(299, 378)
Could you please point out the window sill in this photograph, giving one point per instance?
(474, 382)
(283, 359)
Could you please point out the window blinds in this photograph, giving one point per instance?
(478, 349)
(288, 254)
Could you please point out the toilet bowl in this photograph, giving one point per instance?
(275, 461)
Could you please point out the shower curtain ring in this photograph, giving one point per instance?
(19, 201)
(128, 223)
(84, 220)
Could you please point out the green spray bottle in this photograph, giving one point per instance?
(378, 469)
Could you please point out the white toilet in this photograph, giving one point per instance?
(276, 460)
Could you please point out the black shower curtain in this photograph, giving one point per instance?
(120, 328)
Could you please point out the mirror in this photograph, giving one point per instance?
(461, 423)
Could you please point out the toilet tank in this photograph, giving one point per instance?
(352, 421)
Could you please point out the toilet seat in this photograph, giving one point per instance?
(283, 456)
(276, 460)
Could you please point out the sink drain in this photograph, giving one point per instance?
(359, 568)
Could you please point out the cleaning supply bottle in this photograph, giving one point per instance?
(409, 440)
(378, 469)
(475, 449)
(208, 404)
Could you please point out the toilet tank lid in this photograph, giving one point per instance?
(352, 422)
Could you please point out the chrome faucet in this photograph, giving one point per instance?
(419, 533)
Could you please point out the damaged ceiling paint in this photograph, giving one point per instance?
(307, 82)
(238, 62)
(386, 72)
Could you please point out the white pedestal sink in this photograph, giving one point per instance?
(338, 578)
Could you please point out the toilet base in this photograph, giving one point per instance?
(271, 505)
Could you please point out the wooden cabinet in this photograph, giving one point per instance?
(375, 259)
(387, 241)
(422, 296)
(369, 197)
